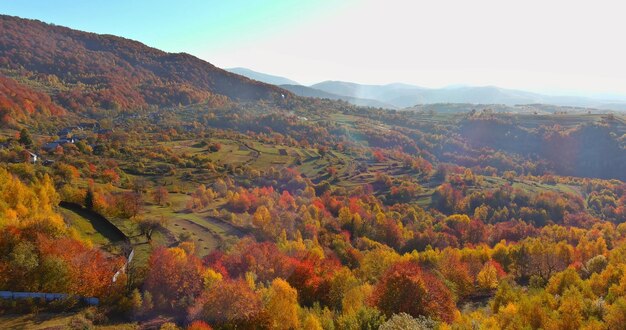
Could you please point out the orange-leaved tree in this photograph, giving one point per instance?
(408, 288)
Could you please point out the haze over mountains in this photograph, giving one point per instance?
(266, 78)
(47, 69)
(399, 95)
(306, 91)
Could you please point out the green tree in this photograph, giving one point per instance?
(25, 138)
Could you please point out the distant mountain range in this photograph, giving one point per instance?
(266, 78)
(305, 91)
(400, 95)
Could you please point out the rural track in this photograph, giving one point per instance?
(256, 153)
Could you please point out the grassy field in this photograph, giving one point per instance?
(55, 321)
(206, 233)
(530, 186)
(102, 236)
(98, 234)
(37, 321)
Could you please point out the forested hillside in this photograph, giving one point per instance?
(85, 70)
(19, 102)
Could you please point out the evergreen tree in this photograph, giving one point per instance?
(89, 199)
(25, 138)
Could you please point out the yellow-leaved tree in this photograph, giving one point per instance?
(282, 305)
(22, 205)
(488, 277)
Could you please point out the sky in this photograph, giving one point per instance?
(551, 46)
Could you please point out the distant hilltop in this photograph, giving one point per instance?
(399, 95)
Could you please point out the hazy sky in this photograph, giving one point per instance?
(540, 45)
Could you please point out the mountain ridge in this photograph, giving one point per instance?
(83, 70)
(262, 77)
(306, 91)
(401, 95)
(409, 95)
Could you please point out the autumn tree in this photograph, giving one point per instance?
(457, 273)
(282, 305)
(407, 288)
(616, 316)
(199, 325)
(148, 226)
(230, 303)
(262, 219)
(174, 279)
(488, 277)
(403, 321)
(160, 195)
(128, 204)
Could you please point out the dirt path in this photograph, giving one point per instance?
(255, 152)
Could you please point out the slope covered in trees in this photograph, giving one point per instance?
(85, 70)
(39, 252)
(19, 102)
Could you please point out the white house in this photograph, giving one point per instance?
(31, 157)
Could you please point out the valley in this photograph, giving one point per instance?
(185, 196)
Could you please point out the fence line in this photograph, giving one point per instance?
(123, 269)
